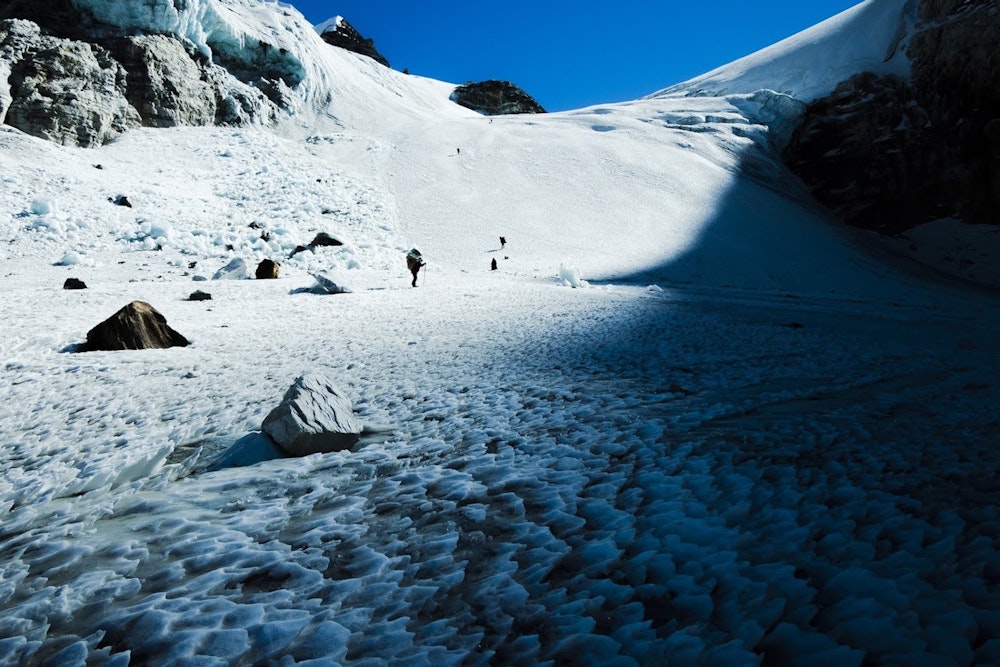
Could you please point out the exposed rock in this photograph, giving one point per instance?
(198, 295)
(65, 91)
(137, 326)
(342, 34)
(324, 239)
(889, 154)
(121, 200)
(267, 270)
(493, 98)
(165, 84)
(326, 285)
(75, 78)
(74, 283)
(236, 269)
(314, 416)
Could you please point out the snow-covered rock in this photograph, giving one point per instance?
(315, 415)
(327, 285)
(236, 269)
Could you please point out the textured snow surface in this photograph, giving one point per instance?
(741, 440)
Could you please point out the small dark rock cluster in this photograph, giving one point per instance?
(493, 98)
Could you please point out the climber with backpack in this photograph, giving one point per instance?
(414, 261)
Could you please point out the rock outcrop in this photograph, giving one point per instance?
(314, 416)
(68, 92)
(70, 76)
(137, 326)
(889, 154)
(493, 98)
(340, 33)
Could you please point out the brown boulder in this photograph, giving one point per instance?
(267, 270)
(137, 326)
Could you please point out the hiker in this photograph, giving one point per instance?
(493, 264)
(503, 242)
(413, 262)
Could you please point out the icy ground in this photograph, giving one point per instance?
(619, 474)
(746, 441)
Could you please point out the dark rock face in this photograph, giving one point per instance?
(493, 98)
(198, 295)
(137, 326)
(888, 154)
(74, 283)
(345, 36)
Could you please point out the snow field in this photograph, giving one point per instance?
(619, 477)
(745, 442)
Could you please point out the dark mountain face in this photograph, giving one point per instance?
(346, 37)
(492, 98)
(888, 154)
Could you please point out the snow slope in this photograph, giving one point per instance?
(871, 36)
(747, 440)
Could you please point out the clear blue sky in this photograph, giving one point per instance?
(572, 53)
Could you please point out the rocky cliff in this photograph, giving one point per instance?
(338, 32)
(70, 74)
(493, 98)
(889, 153)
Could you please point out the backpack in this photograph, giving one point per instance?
(414, 260)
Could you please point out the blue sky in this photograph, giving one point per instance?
(572, 53)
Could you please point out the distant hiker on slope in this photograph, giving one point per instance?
(413, 262)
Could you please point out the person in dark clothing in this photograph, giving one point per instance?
(414, 262)
(493, 264)
(503, 242)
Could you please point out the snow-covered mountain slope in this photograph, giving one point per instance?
(749, 443)
(869, 37)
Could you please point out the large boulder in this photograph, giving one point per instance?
(314, 416)
(493, 98)
(137, 326)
